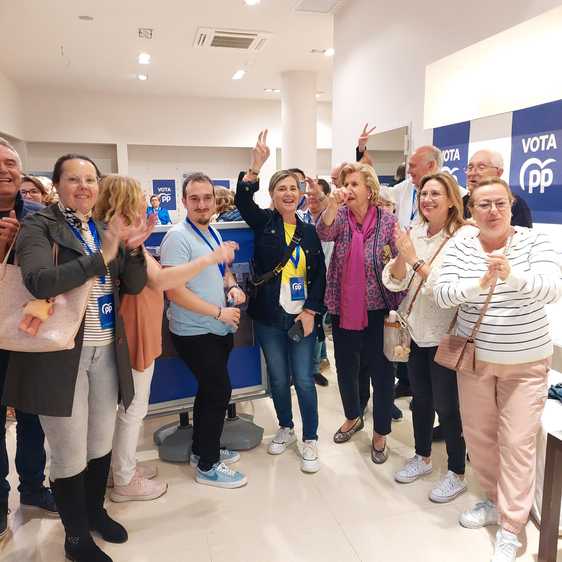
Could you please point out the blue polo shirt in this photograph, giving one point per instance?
(181, 245)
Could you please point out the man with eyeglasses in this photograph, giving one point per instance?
(30, 451)
(488, 164)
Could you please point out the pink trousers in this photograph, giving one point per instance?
(501, 409)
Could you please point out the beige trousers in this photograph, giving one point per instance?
(501, 409)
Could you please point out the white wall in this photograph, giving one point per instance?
(382, 50)
(97, 118)
(10, 110)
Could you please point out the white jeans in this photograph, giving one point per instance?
(127, 429)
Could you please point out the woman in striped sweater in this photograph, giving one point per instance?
(501, 406)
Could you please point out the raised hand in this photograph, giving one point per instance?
(260, 153)
(111, 238)
(140, 231)
(225, 252)
(499, 264)
(405, 245)
(364, 137)
(9, 227)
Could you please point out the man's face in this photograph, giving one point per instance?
(10, 173)
(419, 166)
(480, 167)
(155, 202)
(199, 201)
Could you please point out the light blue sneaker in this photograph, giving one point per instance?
(221, 476)
(226, 457)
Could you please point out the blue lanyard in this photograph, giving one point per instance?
(204, 238)
(414, 207)
(97, 242)
(295, 260)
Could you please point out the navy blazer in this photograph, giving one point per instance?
(269, 248)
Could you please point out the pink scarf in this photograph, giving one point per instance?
(353, 302)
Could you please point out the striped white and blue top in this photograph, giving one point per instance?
(515, 329)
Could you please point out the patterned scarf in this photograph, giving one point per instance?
(75, 218)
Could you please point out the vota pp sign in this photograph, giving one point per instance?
(453, 141)
(166, 189)
(536, 160)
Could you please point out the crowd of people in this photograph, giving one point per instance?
(341, 255)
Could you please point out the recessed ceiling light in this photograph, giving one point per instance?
(329, 52)
(144, 58)
(142, 77)
(251, 2)
(271, 90)
(238, 75)
(86, 18)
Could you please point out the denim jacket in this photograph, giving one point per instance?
(269, 248)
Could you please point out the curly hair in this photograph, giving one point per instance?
(369, 177)
(119, 195)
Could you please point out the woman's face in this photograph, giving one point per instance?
(286, 195)
(78, 186)
(491, 210)
(358, 193)
(31, 192)
(434, 202)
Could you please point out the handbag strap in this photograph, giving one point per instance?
(9, 251)
(484, 309)
(295, 241)
(441, 246)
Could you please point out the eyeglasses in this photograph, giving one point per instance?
(33, 191)
(486, 206)
(75, 181)
(431, 195)
(479, 167)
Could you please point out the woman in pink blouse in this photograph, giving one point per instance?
(358, 301)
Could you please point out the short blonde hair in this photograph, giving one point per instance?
(491, 181)
(369, 177)
(119, 195)
(279, 176)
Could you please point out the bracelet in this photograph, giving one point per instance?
(233, 286)
(135, 251)
(218, 316)
(417, 265)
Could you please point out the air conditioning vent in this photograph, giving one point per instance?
(318, 6)
(145, 32)
(230, 39)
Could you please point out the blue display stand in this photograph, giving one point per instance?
(174, 386)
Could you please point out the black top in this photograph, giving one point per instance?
(520, 212)
(269, 247)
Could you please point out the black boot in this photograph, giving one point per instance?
(70, 495)
(96, 482)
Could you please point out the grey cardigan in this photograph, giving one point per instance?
(43, 383)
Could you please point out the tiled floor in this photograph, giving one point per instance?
(352, 510)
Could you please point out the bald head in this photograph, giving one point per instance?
(425, 160)
(335, 174)
(483, 164)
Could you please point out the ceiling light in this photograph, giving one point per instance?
(251, 2)
(238, 75)
(144, 58)
(142, 77)
(86, 18)
(271, 90)
(329, 52)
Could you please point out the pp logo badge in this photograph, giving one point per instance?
(165, 198)
(536, 174)
(107, 308)
(296, 286)
(452, 171)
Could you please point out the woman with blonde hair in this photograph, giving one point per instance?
(357, 301)
(434, 387)
(123, 197)
(501, 402)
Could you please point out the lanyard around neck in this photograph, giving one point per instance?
(221, 266)
(97, 242)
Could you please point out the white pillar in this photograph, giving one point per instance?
(298, 120)
(122, 159)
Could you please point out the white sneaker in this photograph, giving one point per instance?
(506, 546)
(448, 488)
(284, 437)
(481, 515)
(412, 470)
(310, 462)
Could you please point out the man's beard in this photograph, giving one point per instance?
(203, 222)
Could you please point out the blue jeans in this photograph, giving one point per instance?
(319, 354)
(283, 356)
(30, 447)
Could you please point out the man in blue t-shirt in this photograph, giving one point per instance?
(203, 316)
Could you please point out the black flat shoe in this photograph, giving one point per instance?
(320, 379)
(344, 436)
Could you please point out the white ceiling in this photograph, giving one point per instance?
(43, 44)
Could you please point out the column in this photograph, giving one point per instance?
(122, 159)
(298, 120)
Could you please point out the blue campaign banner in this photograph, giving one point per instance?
(222, 183)
(453, 141)
(166, 189)
(536, 160)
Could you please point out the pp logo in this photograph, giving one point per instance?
(296, 287)
(535, 173)
(452, 171)
(107, 308)
(165, 198)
